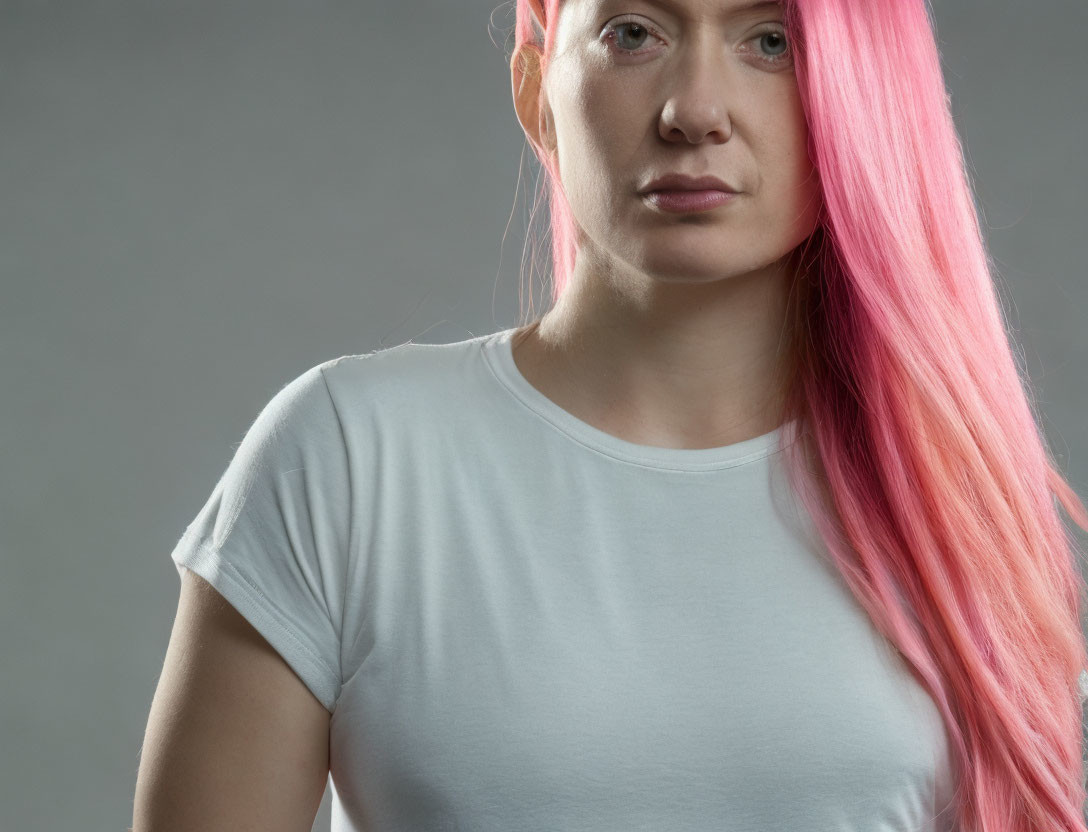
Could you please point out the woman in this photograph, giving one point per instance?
(555, 577)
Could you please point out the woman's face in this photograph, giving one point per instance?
(641, 88)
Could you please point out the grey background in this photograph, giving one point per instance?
(203, 199)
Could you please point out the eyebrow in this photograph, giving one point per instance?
(739, 9)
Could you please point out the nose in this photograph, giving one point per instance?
(697, 106)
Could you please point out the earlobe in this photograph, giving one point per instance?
(547, 134)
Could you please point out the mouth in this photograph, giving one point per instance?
(683, 182)
(683, 201)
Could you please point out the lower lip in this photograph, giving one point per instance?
(686, 202)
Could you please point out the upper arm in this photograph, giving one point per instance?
(234, 740)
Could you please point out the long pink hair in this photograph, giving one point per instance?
(922, 462)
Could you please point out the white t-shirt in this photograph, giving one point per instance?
(521, 622)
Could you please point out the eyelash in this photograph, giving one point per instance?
(773, 61)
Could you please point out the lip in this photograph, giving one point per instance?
(683, 182)
(687, 202)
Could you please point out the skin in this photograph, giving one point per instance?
(673, 329)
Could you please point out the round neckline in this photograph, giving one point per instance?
(497, 350)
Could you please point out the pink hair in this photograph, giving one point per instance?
(922, 465)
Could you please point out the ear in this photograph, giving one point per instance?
(530, 97)
(536, 8)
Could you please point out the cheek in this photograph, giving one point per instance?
(789, 199)
(803, 170)
(602, 117)
(785, 137)
(598, 133)
(788, 171)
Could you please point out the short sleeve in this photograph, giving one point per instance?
(273, 536)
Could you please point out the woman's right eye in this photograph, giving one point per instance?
(636, 32)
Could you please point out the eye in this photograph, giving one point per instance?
(636, 32)
(776, 40)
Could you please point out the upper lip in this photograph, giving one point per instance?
(683, 182)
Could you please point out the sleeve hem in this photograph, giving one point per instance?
(236, 588)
